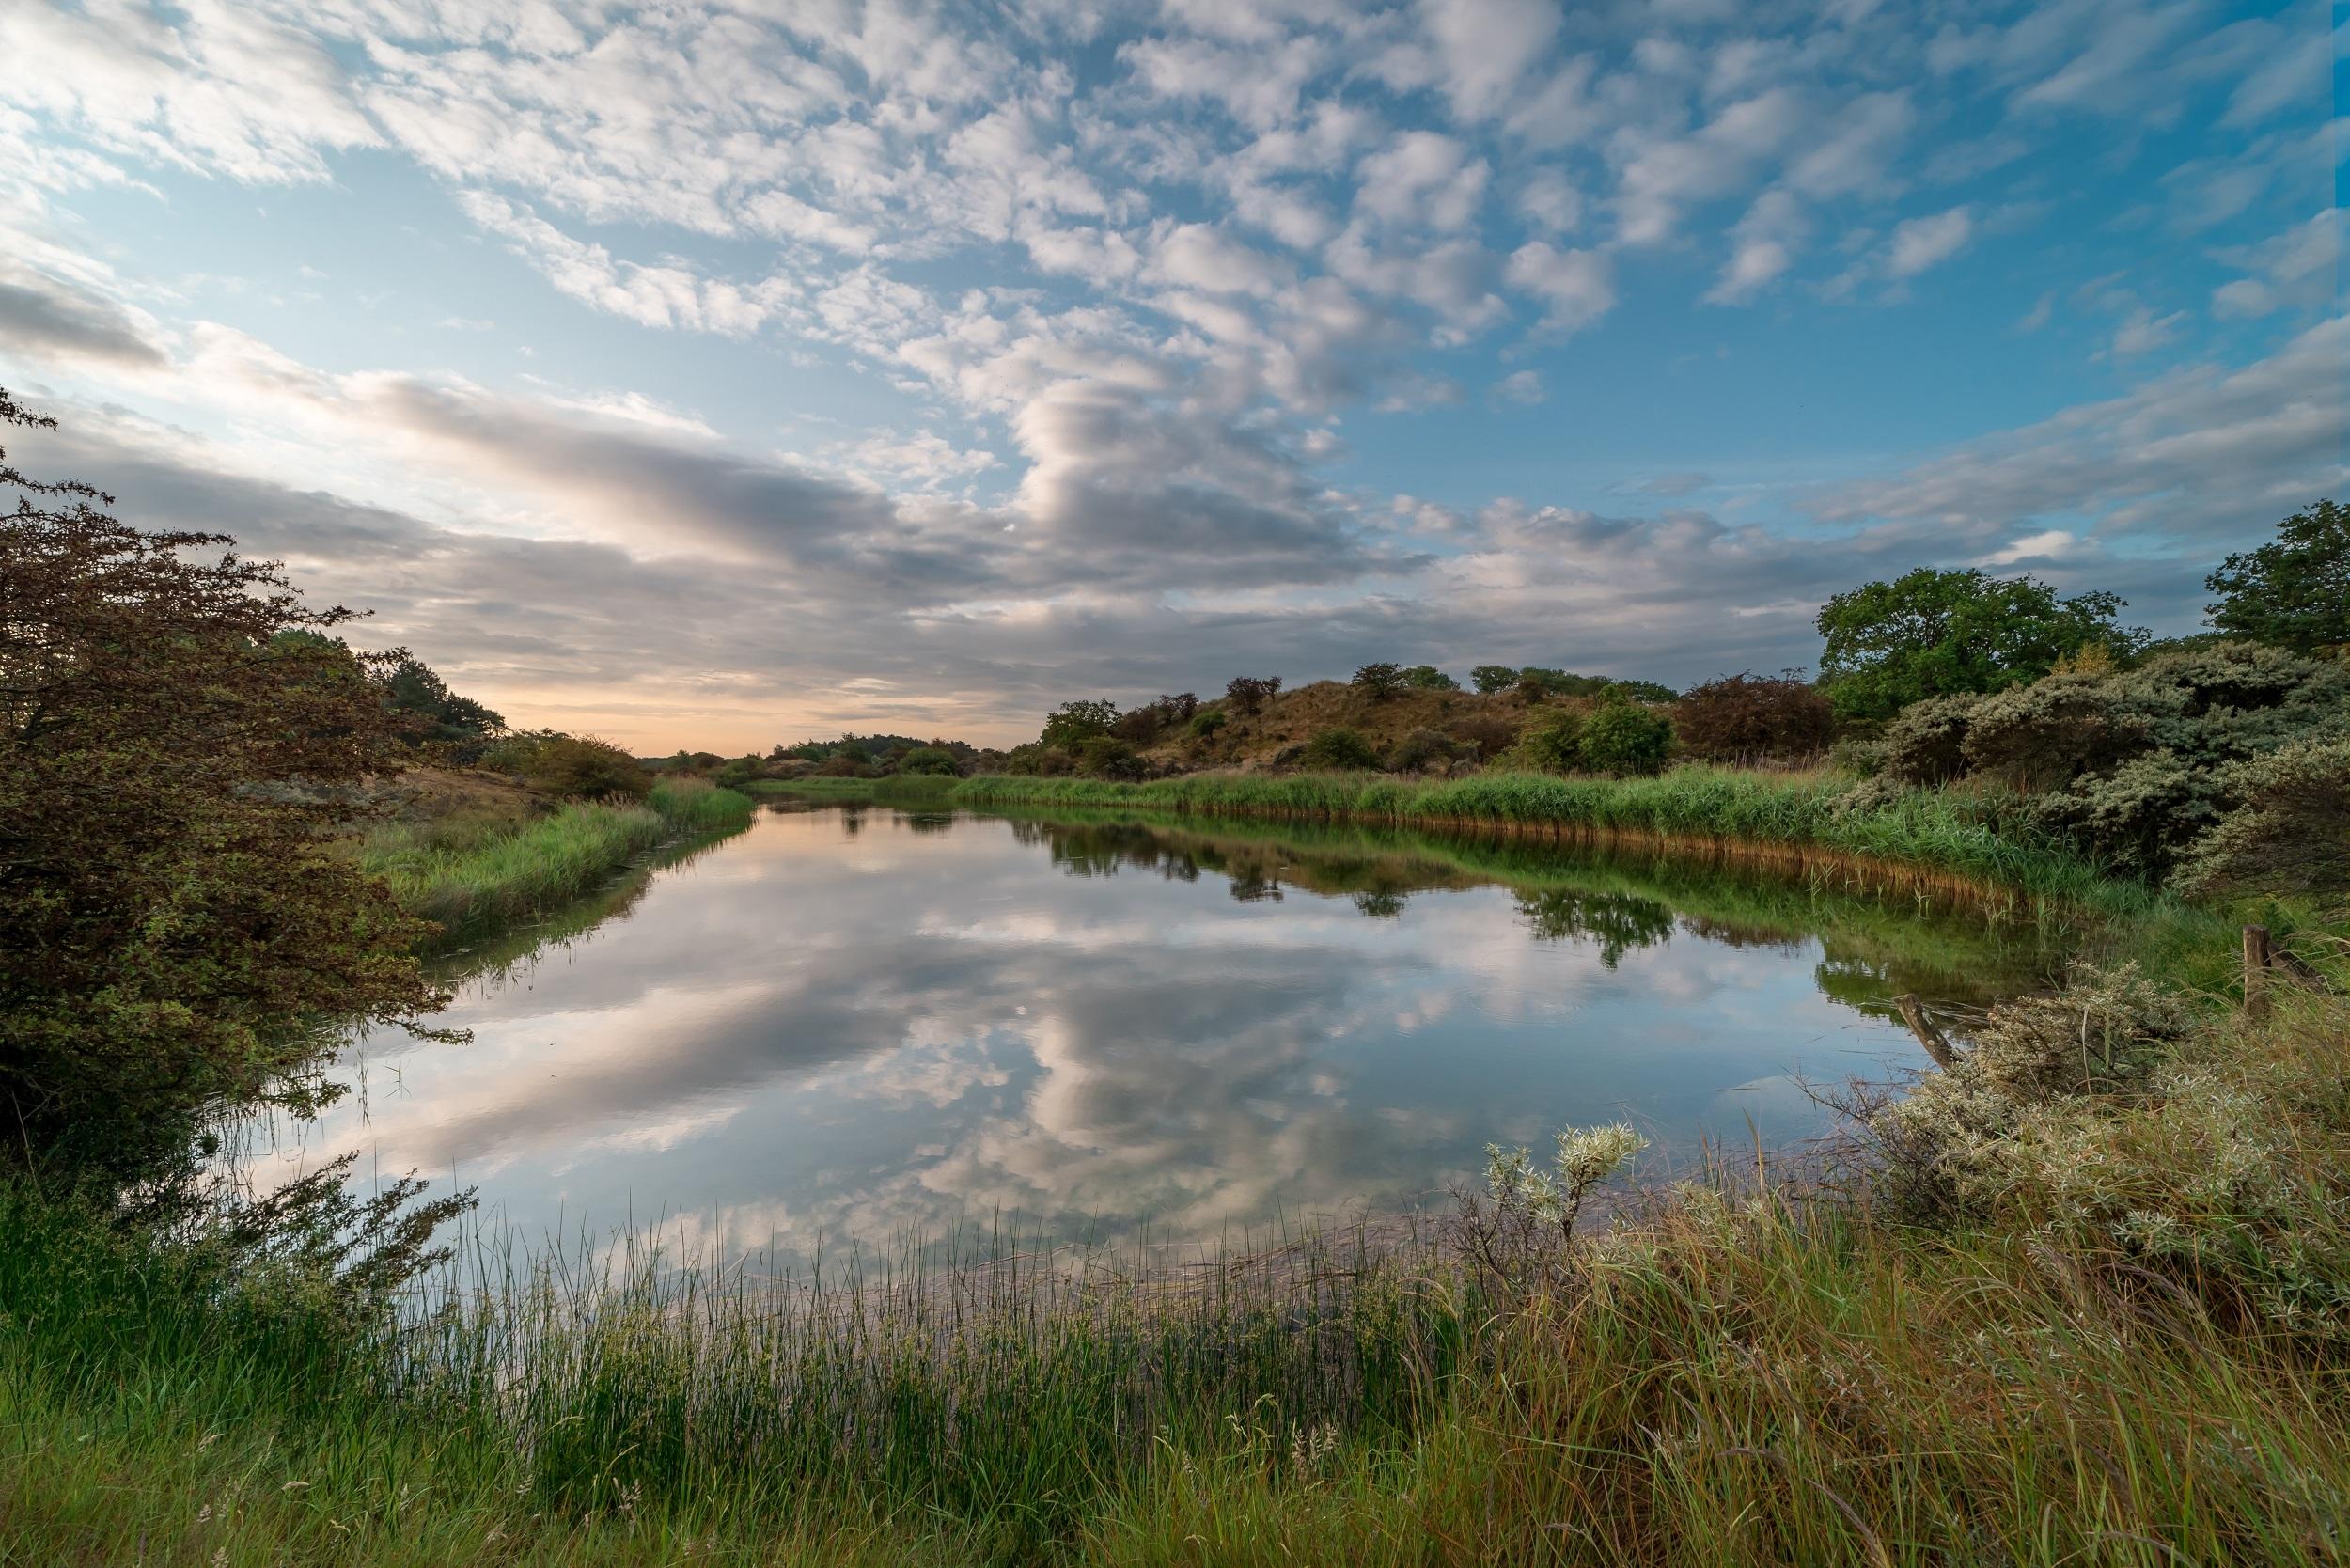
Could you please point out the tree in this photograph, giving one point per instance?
(438, 715)
(1379, 681)
(2294, 591)
(1621, 738)
(1340, 749)
(1428, 677)
(1073, 722)
(1489, 679)
(935, 761)
(173, 902)
(1931, 632)
(1250, 693)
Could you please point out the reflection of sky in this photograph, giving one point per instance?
(816, 1032)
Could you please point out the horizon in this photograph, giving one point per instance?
(709, 381)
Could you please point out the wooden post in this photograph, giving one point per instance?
(2256, 970)
(1937, 1044)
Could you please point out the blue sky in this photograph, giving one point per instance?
(724, 370)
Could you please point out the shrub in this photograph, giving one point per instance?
(1927, 742)
(1250, 693)
(582, 767)
(844, 764)
(1339, 748)
(1490, 679)
(1741, 717)
(1621, 738)
(1204, 726)
(1555, 745)
(1428, 677)
(740, 772)
(1108, 757)
(1489, 733)
(929, 761)
(1863, 755)
(1139, 727)
(1417, 749)
(2290, 832)
(1379, 681)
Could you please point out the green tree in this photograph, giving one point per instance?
(935, 761)
(438, 715)
(1379, 681)
(2294, 592)
(1621, 738)
(1490, 679)
(1928, 634)
(1073, 722)
(173, 902)
(1249, 693)
(1339, 750)
(1428, 677)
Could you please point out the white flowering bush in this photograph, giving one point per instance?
(1522, 1229)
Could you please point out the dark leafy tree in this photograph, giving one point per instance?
(1622, 738)
(1490, 679)
(1379, 681)
(173, 904)
(438, 715)
(1428, 677)
(1249, 693)
(929, 761)
(2293, 591)
(1073, 722)
(1554, 746)
(1931, 632)
(1339, 750)
(1745, 717)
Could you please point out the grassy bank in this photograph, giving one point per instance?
(1787, 1380)
(901, 789)
(467, 874)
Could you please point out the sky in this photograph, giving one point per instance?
(722, 373)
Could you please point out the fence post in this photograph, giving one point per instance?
(1937, 1044)
(2256, 963)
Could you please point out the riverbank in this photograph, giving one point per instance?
(1727, 1378)
(467, 875)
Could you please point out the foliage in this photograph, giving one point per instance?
(1418, 748)
(1554, 744)
(1926, 744)
(1380, 681)
(1491, 734)
(1249, 693)
(1339, 750)
(1641, 691)
(1108, 757)
(2287, 836)
(1204, 726)
(1931, 634)
(1079, 720)
(579, 767)
(930, 759)
(1748, 716)
(171, 772)
(1623, 739)
(1489, 679)
(2293, 591)
(439, 716)
(1428, 677)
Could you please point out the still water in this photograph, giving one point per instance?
(872, 1023)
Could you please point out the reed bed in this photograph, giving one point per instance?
(466, 876)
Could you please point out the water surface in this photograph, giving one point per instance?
(866, 1022)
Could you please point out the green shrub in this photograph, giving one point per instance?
(1204, 726)
(580, 767)
(1338, 749)
(1417, 749)
(1555, 745)
(1428, 677)
(1489, 734)
(1108, 757)
(926, 759)
(1626, 740)
(2290, 835)
(1927, 742)
(1859, 754)
(1745, 716)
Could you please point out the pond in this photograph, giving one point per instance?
(870, 1024)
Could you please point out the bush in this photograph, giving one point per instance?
(1861, 755)
(584, 768)
(1108, 757)
(1379, 681)
(1556, 746)
(1204, 726)
(929, 761)
(844, 764)
(1927, 743)
(2289, 835)
(1745, 716)
(1417, 749)
(1428, 677)
(1489, 733)
(1338, 749)
(1624, 739)
(1138, 727)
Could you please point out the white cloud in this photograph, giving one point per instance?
(1577, 286)
(1919, 243)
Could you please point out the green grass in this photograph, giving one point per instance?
(901, 789)
(471, 876)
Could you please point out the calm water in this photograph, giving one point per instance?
(867, 1022)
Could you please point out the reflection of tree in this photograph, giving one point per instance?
(853, 819)
(928, 822)
(1380, 906)
(1616, 921)
(1251, 886)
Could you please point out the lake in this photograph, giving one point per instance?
(872, 1023)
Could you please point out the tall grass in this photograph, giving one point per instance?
(1783, 1379)
(899, 789)
(470, 875)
